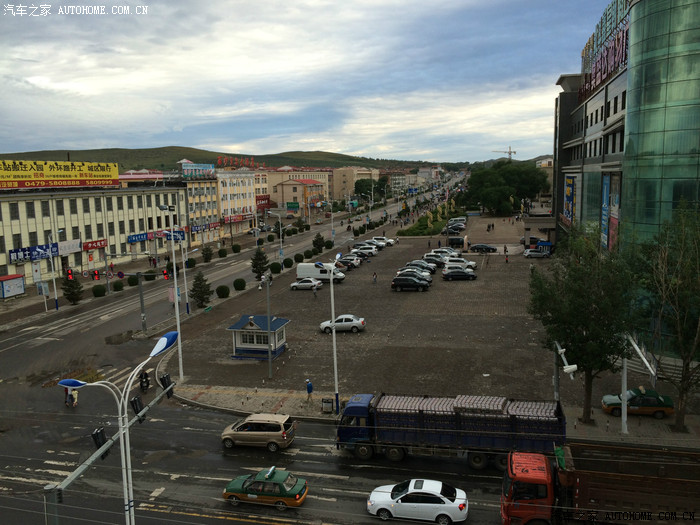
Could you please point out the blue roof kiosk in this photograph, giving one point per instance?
(250, 337)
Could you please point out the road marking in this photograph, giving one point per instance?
(61, 463)
(156, 493)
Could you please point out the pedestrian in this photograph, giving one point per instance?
(313, 289)
(374, 278)
(505, 249)
(383, 233)
(69, 396)
(439, 244)
(309, 390)
(532, 268)
(111, 267)
(397, 240)
(506, 258)
(428, 243)
(75, 398)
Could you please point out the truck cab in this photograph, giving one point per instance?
(355, 426)
(527, 494)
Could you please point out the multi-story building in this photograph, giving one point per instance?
(301, 197)
(343, 185)
(627, 127)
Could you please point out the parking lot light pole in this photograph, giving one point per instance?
(53, 271)
(185, 253)
(279, 220)
(121, 397)
(266, 279)
(171, 209)
(331, 267)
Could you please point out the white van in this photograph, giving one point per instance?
(322, 274)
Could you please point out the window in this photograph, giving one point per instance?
(141, 225)
(33, 239)
(88, 231)
(17, 241)
(98, 204)
(624, 100)
(30, 211)
(148, 200)
(132, 224)
(76, 232)
(294, 189)
(248, 338)
(121, 227)
(73, 203)
(110, 204)
(59, 208)
(120, 203)
(100, 230)
(139, 201)
(110, 229)
(45, 209)
(14, 212)
(86, 205)
(47, 233)
(130, 202)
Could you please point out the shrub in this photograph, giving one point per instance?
(260, 242)
(315, 251)
(150, 275)
(288, 263)
(307, 227)
(132, 280)
(99, 290)
(298, 257)
(328, 244)
(223, 291)
(223, 252)
(191, 263)
(275, 267)
(207, 254)
(239, 284)
(236, 248)
(308, 254)
(271, 237)
(118, 286)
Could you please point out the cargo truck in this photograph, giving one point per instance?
(600, 483)
(481, 428)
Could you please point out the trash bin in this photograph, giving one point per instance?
(326, 405)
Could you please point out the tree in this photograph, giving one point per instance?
(72, 290)
(259, 263)
(201, 291)
(583, 303)
(669, 276)
(502, 186)
(207, 253)
(318, 242)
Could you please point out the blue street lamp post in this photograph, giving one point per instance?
(164, 344)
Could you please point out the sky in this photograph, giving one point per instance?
(438, 80)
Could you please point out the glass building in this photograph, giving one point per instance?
(627, 128)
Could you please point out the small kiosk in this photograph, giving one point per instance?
(250, 337)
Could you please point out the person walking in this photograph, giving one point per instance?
(309, 390)
(75, 398)
(69, 396)
(505, 249)
(428, 243)
(111, 267)
(374, 278)
(313, 289)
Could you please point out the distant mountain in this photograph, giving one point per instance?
(166, 158)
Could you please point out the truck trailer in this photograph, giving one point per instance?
(601, 483)
(481, 428)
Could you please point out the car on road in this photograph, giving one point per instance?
(253, 231)
(458, 274)
(272, 486)
(419, 499)
(274, 431)
(416, 272)
(536, 253)
(408, 282)
(639, 401)
(344, 323)
(423, 265)
(483, 248)
(307, 283)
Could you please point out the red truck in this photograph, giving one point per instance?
(600, 483)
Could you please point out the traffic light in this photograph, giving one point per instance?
(165, 381)
(96, 275)
(137, 405)
(166, 275)
(69, 274)
(98, 436)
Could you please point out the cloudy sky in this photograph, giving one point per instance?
(438, 80)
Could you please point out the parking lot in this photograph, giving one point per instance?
(459, 337)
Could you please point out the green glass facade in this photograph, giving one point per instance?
(661, 163)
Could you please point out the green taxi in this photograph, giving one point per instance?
(268, 487)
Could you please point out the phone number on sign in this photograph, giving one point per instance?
(48, 9)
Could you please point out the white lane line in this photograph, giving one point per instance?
(156, 493)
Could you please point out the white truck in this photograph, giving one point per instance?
(320, 273)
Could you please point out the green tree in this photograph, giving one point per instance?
(72, 290)
(259, 263)
(201, 291)
(500, 187)
(207, 254)
(668, 272)
(318, 242)
(582, 299)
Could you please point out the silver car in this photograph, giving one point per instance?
(345, 322)
(419, 499)
(307, 283)
(535, 253)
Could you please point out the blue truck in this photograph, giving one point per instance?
(481, 428)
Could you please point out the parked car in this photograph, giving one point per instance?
(369, 250)
(408, 282)
(536, 253)
(360, 255)
(253, 231)
(307, 283)
(639, 401)
(344, 323)
(351, 261)
(451, 266)
(423, 265)
(274, 431)
(533, 240)
(419, 499)
(434, 258)
(461, 261)
(415, 272)
(377, 244)
(273, 486)
(385, 240)
(456, 274)
(483, 248)
(447, 251)
(451, 231)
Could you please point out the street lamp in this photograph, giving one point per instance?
(185, 253)
(567, 368)
(53, 272)
(175, 288)
(266, 279)
(335, 348)
(121, 398)
(279, 221)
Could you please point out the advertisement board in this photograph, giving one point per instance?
(15, 174)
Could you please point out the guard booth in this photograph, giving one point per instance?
(250, 337)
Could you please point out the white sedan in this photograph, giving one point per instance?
(419, 499)
(307, 283)
(345, 322)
